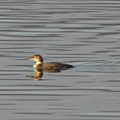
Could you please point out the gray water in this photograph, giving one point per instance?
(84, 33)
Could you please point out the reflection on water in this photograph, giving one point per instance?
(37, 74)
(84, 33)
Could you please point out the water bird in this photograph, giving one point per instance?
(50, 66)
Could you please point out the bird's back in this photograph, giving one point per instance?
(56, 66)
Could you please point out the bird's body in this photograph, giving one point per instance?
(48, 66)
(53, 65)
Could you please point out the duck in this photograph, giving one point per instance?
(50, 66)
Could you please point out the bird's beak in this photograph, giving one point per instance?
(29, 58)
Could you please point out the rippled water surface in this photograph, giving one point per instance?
(84, 33)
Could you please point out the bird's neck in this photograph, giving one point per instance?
(37, 63)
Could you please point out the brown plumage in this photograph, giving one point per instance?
(48, 66)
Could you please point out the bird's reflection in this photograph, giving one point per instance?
(38, 73)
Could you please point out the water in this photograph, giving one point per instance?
(84, 33)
